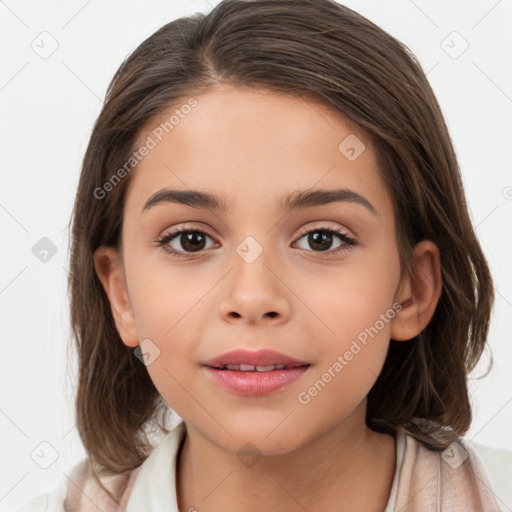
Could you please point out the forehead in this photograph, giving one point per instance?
(256, 142)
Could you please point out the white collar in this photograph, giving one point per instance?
(155, 487)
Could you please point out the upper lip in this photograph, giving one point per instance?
(265, 357)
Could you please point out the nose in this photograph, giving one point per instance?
(255, 293)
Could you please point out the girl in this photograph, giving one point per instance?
(271, 245)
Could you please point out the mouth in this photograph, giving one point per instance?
(246, 373)
(263, 360)
(255, 368)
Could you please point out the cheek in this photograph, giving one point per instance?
(353, 299)
(351, 359)
(167, 302)
(355, 309)
(165, 298)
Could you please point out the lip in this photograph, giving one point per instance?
(254, 383)
(264, 357)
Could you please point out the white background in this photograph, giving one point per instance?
(47, 110)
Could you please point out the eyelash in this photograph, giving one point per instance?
(347, 246)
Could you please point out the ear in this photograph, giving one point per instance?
(109, 269)
(419, 293)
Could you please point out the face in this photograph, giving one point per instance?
(316, 282)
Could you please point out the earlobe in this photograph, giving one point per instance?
(419, 293)
(107, 263)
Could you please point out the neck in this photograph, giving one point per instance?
(348, 467)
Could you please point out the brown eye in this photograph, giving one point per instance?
(184, 241)
(321, 239)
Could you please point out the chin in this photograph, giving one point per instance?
(265, 436)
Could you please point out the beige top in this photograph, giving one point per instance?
(465, 477)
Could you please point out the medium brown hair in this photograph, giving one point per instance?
(298, 47)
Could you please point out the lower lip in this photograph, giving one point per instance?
(255, 383)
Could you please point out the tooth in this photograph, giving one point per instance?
(265, 368)
(247, 367)
(280, 366)
(232, 366)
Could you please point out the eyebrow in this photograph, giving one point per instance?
(294, 201)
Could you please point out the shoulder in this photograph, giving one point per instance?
(465, 474)
(496, 463)
(80, 492)
(52, 501)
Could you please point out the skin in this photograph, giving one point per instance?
(253, 147)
